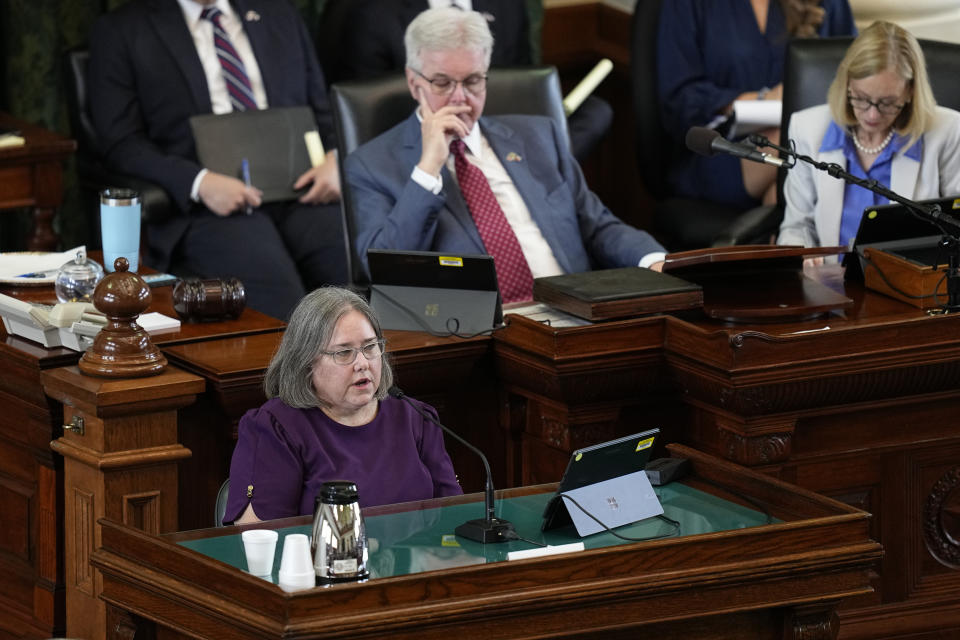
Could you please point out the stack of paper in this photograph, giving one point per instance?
(34, 267)
(154, 322)
(750, 116)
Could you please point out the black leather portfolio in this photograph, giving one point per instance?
(617, 293)
(271, 140)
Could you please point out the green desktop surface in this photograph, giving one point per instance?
(423, 539)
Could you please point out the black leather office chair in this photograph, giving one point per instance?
(811, 65)
(93, 176)
(364, 109)
(682, 223)
(220, 507)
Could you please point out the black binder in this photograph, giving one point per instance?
(270, 139)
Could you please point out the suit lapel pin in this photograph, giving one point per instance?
(251, 16)
(513, 156)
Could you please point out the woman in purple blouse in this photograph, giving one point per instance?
(328, 417)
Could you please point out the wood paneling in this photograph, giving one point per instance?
(574, 39)
(32, 175)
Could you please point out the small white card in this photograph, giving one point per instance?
(155, 322)
(549, 550)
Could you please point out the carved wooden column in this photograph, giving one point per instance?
(120, 455)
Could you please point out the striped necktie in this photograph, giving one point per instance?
(234, 73)
(513, 272)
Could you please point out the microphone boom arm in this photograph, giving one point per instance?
(949, 225)
(486, 529)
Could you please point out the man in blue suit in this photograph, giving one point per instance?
(407, 196)
(153, 65)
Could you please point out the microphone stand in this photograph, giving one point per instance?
(949, 226)
(483, 530)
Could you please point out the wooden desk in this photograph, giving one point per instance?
(859, 406)
(31, 175)
(780, 580)
(861, 411)
(31, 474)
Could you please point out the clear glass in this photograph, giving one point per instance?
(76, 280)
(420, 537)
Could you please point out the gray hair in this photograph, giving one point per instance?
(446, 29)
(308, 333)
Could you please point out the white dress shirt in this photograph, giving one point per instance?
(466, 5)
(202, 33)
(535, 248)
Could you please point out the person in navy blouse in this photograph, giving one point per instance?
(712, 52)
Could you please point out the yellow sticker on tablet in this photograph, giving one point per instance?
(872, 214)
(450, 261)
(449, 540)
(579, 455)
(646, 443)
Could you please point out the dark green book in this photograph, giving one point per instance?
(617, 293)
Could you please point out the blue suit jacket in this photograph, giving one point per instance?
(145, 82)
(393, 212)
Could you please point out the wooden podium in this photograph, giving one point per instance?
(744, 579)
(757, 283)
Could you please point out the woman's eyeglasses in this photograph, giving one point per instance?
(370, 351)
(886, 107)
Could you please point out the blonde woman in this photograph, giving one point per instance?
(881, 122)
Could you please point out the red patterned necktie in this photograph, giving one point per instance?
(234, 73)
(513, 272)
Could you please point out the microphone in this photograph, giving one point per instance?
(708, 142)
(486, 529)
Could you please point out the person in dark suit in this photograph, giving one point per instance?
(414, 187)
(153, 65)
(363, 39)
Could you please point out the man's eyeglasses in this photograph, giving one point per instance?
(886, 107)
(370, 351)
(474, 84)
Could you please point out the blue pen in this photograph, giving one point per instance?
(245, 168)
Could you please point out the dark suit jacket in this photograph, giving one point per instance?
(145, 81)
(394, 212)
(362, 39)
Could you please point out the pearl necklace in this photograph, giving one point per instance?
(872, 151)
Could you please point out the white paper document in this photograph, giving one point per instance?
(34, 265)
(750, 116)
